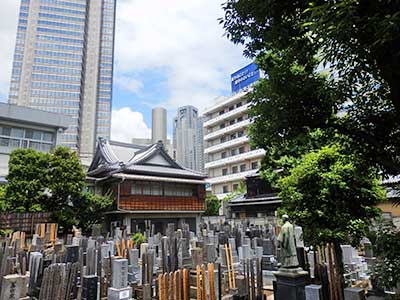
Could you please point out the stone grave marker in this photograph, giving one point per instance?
(71, 253)
(89, 287)
(313, 292)
(119, 273)
(354, 294)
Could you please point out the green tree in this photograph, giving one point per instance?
(4, 204)
(53, 182)
(90, 209)
(356, 43)
(386, 242)
(212, 205)
(332, 196)
(27, 179)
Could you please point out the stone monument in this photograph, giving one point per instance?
(290, 278)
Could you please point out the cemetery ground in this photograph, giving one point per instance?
(220, 261)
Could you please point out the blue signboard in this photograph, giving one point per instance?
(244, 77)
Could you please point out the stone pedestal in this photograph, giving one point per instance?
(290, 284)
(120, 294)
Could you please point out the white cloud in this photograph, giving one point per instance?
(8, 31)
(127, 124)
(129, 84)
(183, 40)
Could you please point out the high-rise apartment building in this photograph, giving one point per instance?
(188, 138)
(229, 156)
(63, 63)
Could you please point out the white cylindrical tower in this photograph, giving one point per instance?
(159, 125)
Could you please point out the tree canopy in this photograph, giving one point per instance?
(52, 182)
(212, 205)
(332, 66)
(332, 195)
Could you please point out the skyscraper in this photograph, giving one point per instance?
(188, 138)
(63, 62)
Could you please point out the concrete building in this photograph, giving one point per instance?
(148, 186)
(22, 127)
(229, 157)
(159, 125)
(188, 138)
(63, 63)
(158, 130)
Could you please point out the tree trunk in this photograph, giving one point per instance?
(339, 267)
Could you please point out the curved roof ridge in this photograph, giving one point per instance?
(108, 152)
(141, 154)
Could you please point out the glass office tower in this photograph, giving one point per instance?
(63, 62)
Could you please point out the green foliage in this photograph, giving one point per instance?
(332, 195)
(52, 182)
(90, 210)
(212, 205)
(242, 189)
(4, 204)
(357, 95)
(386, 242)
(138, 238)
(5, 232)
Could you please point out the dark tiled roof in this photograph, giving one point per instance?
(112, 157)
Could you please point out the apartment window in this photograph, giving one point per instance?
(225, 189)
(240, 134)
(221, 126)
(241, 150)
(233, 152)
(231, 107)
(254, 165)
(240, 119)
(231, 122)
(224, 172)
(223, 154)
(221, 112)
(223, 139)
(242, 168)
(235, 186)
(239, 104)
(233, 136)
(234, 170)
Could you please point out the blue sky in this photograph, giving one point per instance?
(167, 53)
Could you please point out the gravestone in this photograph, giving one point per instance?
(210, 253)
(71, 254)
(267, 247)
(347, 254)
(119, 294)
(119, 273)
(368, 249)
(313, 292)
(354, 294)
(259, 252)
(13, 287)
(197, 257)
(298, 233)
(35, 261)
(89, 287)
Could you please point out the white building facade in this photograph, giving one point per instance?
(229, 156)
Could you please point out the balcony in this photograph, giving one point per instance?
(230, 177)
(225, 101)
(237, 111)
(228, 144)
(226, 130)
(236, 158)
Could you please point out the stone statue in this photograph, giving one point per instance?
(287, 243)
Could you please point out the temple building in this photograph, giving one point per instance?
(260, 200)
(149, 187)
